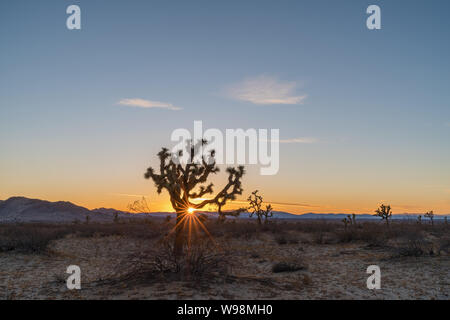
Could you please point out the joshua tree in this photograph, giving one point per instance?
(268, 212)
(87, 219)
(180, 181)
(255, 207)
(345, 221)
(419, 219)
(384, 212)
(350, 220)
(445, 220)
(139, 206)
(430, 215)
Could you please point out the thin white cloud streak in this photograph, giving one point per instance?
(295, 140)
(299, 140)
(282, 203)
(265, 90)
(127, 195)
(141, 103)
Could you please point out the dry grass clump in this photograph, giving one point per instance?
(413, 243)
(28, 238)
(444, 245)
(238, 230)
(286, 238)
(288, 266)
(201, 259)
(35, 237)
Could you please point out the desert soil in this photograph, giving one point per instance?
(332, 271)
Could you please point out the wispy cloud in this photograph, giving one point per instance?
(265, 90)
(296, 204)
(299, 140)
(141, 103)
(295, 140)
(126, 195)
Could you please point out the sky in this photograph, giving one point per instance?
(364, 115)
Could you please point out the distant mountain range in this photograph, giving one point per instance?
(21, 209)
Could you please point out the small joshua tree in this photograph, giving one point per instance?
(350, 220)
(430, 215)
(87, 219)
(255, 207)
(384, 212)
(139, 206)
(181, 180)
(345, 221)
(419, 219)
(268, 213)
(445, 220)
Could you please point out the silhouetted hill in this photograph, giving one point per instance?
(21, 209)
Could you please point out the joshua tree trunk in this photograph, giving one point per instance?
(178, 246)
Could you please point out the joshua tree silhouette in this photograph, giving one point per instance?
(384, 212)
(430, 215)
(139, 206)
(255, 202)
(180, 181)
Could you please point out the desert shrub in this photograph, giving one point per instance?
(287, 266)
(444, 245)
(413, 243)
(413, 247)
(35, 237)
(286, 238)
(200, 259)
(372, 236)
(28, 238)
(135, 229)
(245, 230)
(345, 236)
(322, 238)
(315, 226)
(281, 239)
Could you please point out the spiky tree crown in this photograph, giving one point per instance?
(185, 182)
(255, 206)
(384, 211)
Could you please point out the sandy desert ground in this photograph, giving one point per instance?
(324, 261)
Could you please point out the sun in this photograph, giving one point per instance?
(191, 210)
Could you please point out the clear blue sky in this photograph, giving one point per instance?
(376, 112)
